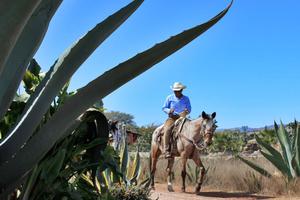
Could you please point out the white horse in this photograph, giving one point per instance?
(191, 136)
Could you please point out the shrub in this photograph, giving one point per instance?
(121, 191)
(231, 142)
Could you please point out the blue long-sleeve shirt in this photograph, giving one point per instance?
(179, 105)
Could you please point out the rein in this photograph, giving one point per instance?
(196, 144)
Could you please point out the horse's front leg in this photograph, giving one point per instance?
(198, 162)
(183, 172)
(169, 170)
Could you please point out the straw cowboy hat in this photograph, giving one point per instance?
(177, 86)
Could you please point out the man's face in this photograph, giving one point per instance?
(178, 93)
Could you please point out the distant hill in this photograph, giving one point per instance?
(246, 129)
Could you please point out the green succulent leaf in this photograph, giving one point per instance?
(14, 17)
(136, 166)
(24, 49)
(296, 156)
(124, 157)
(145, 183)
(281, 166)
(274, 157)
(30, 182)
(255, 167)
(103, 180)
(54, 166)
(56, 78)
(286, 148)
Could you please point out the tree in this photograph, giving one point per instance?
(144, 141)
(121, 117)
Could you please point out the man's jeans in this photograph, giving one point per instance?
(168, 127)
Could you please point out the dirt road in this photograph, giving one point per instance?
(162, 194)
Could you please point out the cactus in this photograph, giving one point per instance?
(28, 141)
(286, 161)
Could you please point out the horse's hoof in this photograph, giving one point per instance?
(197, 190)
(170, 188)
(183, 189)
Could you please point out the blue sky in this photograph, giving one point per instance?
(246, 67)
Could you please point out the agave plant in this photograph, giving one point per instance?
(23, 25)
(288, 160)
(128, 170)
(61, 172)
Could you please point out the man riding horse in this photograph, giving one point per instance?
(176, 105)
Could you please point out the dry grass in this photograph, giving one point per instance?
(227, 173)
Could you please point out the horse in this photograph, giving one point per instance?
(191, 136)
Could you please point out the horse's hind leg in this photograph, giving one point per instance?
(169, 170)
(155, 152)
(183, 173)
(198, 162)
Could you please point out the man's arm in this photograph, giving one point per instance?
(166, 106)
(188, 105)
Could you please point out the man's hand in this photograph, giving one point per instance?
(186, 111)
(171, 112)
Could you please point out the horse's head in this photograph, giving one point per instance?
(208, 127)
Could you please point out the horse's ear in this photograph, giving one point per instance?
(213, 115)
(204, 115)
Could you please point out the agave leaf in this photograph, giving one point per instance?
(30, 183)
(276, 127)
(107, 177)
(26, 46)
(124, 157)
(56, 78)
(255, 167)
(136, 165)
(94, 143)
(87, 180)
(54, 166)
(294, 133)
(145, 183)
(285, 144)
(281, 166)
(273, 156)
(14, 17)
(42, 141)
(296, 156)
(103, 183)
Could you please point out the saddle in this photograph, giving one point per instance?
(177, 127)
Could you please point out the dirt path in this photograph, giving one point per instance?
(162, 194)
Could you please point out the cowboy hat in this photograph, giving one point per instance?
(177, 86)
